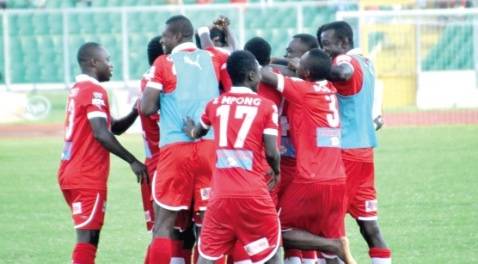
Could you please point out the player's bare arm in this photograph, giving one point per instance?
(109, 142)
(223, 23)
(204, 37)
(284, 70)
(340, 73)
(149, 101)
(273, 159)
(119, 126)
(192, 129)
(269, 77)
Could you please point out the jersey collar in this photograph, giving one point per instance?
(241, 89)
(84, 78)
(184, 46)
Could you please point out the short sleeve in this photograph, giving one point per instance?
(94, 99)
(291, 89)
(155, 74)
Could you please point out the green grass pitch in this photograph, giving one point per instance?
(426, 179)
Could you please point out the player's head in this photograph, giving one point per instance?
(319, 31)
(300, 44)
(94, 60)
(155, 49)
(178, 30)
(314, 65)
(336, 38)
(260, 48)
(243, 69)
(218, 37)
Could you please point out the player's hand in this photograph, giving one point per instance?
(189, 126)
(222, 21)
(294, 64)
(140, 171)
(378, 122)
(274, 179)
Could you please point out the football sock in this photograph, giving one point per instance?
(293, 256)
(308, 257)
(84, 253)
(176, 252)
(146, 258)
(186, 254)
(380, 255)
(221, 260)
(195, 254)
(160, 251)
(320, 258)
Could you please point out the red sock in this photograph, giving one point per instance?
(239, 253)
(146, 258)
(292, 256)
(176, 251)
(308, 257)
(230, 259)
(380, 255)
(195, 254)
(186, 254)
(160, 251)
(84, 253)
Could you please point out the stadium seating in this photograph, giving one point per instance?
(453, 50)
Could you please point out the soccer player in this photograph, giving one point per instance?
(353, 76)
(313, 203)
(182, 83)
(150, 127)
(89, 139)
(240, 207)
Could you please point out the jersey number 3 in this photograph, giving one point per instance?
(246, 113)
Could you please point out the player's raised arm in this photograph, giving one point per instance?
(269, 77)
(341, 72)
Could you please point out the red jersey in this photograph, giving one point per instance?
(316, 129)
(348, 88)
(85, 163)
(149, 124)
(163, 73)
(240, 119)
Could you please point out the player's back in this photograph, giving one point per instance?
(316, 132)
(240, 119)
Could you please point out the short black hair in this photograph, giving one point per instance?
(220, 34)
(342, 30)
(308, 40)
(319, 64)
(87, 51)
(155, 49)
(239, 64)
(181, 24)
(260, 48)
(319, 32)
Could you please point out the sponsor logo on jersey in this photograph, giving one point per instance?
(257, 246)
(328, 137)
(66, 153)
(227, 158)
(371, 206)
(76, 208)
(286, 147)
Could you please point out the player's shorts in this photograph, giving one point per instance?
(251, 221)
(183, 175)
(316, 207)
(87, 206)
(287, 174)
(361, 195)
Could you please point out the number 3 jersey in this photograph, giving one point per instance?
(85, 162)
(240, 119)
(315, 129)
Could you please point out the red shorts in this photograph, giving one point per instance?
(251, 221)
(287, 173)
(361, 195)
(87, 207)
(183, 175)
(316, 207)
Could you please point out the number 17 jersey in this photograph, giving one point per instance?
(240, 119)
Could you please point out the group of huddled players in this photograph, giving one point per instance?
(244, 153)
